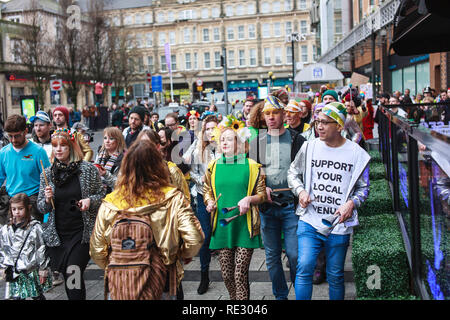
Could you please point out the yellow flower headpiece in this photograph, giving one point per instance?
(231, 122)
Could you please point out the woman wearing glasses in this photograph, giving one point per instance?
(72, 198)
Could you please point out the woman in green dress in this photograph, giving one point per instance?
(240, 183)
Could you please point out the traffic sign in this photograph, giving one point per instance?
(149, 77)
(199, 82)
(157, 83)
(56, 85)
(199, 88)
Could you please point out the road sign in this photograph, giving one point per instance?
(56, 85)
(149, 77)
(199, 88)
(157, 83)
(199, 82)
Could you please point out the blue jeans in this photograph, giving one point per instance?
(274, 221)
(205, 221)
(309, 245)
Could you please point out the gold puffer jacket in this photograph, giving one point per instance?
(177, 232)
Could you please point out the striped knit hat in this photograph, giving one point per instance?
(336, 111)
(272, 103)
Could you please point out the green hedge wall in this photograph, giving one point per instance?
(377, 241)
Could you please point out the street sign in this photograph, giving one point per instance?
(56, 85)
(199, 88)
(199, 82)
(149, 77)
(157, 83)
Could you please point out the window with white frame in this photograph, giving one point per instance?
(171, 16)
(301, 4)
(138, 19)
(278, 56)
(229, 11)
(139, 41)
(150, 64)
(288, 27)
(266, 30)
(251, 8)
(207, 60)
(304, 52)
(217, 59)
(173, 62)
(240, 10)
(148, 18)
(194, 35)
(15, 50)
(187, 61)
(216, 34)
(288, 5)
(265, 7)
(15, 19)
(215, 12)
(277, 29)
(116, 21)
(160, 17)
(303, 27)
(276, 6)
(205, 13)
(338, 26)
(289, 55)
(251, 31)
(205, 35)
(195, 60)
(231, 63)
(241, 58)
(149, 39)
(172, 39)
(162, 38)
(141, 64)
(230, 33)
(241, 32)
(187, 35)
(253, 57)
(128, 20)
(267, 56)
(163, 63)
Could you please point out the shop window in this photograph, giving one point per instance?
(15, 95)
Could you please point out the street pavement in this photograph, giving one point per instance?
(260, 284)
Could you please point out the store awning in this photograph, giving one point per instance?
(319, 72)
(422, 26)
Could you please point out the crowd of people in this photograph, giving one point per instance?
(158, 193)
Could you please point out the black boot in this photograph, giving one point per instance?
(204, 283)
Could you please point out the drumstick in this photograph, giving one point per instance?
(46, 181)
(215, 202)
(280, 190)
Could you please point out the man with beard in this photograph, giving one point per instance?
(136, 119)
(42, 131)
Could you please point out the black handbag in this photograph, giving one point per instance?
(10, 270)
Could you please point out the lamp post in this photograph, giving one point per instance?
(269, 81)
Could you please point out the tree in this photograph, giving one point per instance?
(35, 50)
(70, 48)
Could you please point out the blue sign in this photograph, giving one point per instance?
(157, 83)
(317, 73)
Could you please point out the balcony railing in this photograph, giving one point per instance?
(376, 21)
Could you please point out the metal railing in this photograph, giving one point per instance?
(376, 21)
(417, 166)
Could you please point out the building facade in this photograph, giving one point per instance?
(253, 33)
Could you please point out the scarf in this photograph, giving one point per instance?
(107, 161)
(61, 172)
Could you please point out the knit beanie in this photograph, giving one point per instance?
(336, 111)
(139, 110)
(330, 93)
(64, 111)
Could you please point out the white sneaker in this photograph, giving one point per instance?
(57, 278)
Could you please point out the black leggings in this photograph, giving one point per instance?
(74, 272)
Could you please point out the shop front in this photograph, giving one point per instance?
(410, 72)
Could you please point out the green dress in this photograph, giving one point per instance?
(232, 176)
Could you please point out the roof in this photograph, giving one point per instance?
(119, 4)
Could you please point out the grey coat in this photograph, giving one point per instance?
(91, 187)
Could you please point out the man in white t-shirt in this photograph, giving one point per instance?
(330, 176)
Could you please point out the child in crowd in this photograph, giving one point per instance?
(23, 260)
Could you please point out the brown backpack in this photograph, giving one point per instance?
(136, 270)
